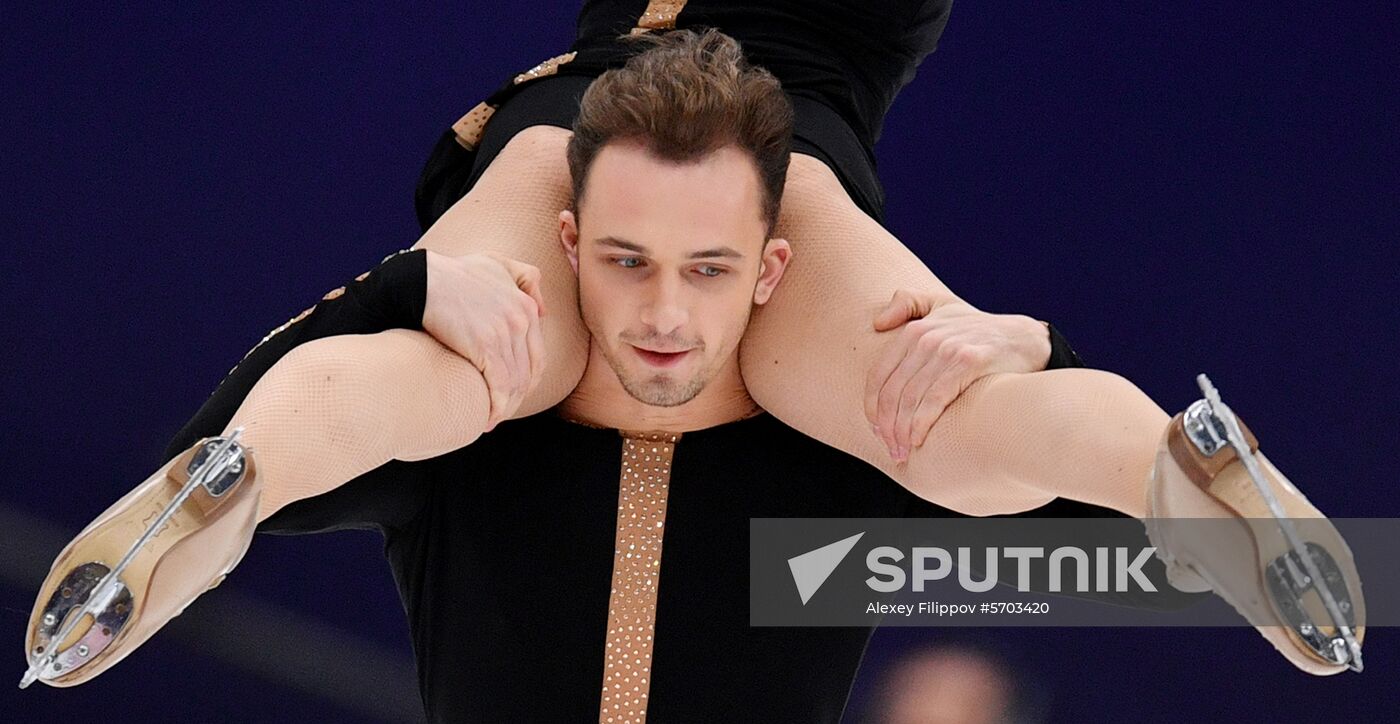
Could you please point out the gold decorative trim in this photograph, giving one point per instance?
(641, 515)
(549, 67)
(470, 127)
(659, 15)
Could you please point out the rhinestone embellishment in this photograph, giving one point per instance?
(641, 517)
(659, 15)
(549, 67)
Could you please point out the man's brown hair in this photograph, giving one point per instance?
(688, 95)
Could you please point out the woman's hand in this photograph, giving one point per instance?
(938, 354)
(488, 309)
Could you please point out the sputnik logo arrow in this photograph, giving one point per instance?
(811, 569)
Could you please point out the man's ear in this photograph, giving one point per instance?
(776, 254)
(568, 237)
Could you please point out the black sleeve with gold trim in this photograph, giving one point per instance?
(390, 296)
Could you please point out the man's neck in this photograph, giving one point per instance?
(601, 400)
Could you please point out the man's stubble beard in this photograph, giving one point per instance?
(657, 391)
(661, 394)
(669, 394)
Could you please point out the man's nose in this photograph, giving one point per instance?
(666, 311)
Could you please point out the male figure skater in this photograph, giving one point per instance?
(530, 562)
(501, 548)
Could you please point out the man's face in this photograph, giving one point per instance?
(671, 257)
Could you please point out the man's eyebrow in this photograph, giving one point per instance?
(717, 252)
(621, 244)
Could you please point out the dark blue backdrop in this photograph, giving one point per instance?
(1180, 189)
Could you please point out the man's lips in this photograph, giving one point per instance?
(660, 359)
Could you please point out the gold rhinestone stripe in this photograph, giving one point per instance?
(549, 67)
(641, 515)
(659, 15)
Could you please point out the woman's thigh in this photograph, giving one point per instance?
(816, 333)
(513, 210)
(1010, 442)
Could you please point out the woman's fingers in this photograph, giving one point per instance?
(890, 360)
(495, 368)
(896, 391)
(903, 306)
(948, 380)
(520, 355)
(534, 342)
(925, 382)
(527, 278)
(529, 339)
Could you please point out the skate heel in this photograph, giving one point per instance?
(1179, 575)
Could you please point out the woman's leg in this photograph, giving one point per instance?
(338, 407)
(323, 400)
(1008, 443)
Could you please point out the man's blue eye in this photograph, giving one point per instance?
(629, 262)
(711, 271)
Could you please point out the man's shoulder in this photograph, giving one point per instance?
(543, 433)
(780, 441)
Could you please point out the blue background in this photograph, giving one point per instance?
(1180, 189)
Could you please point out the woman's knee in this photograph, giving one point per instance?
(810, 179)
(534, 158)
